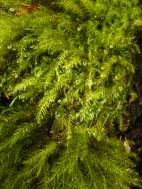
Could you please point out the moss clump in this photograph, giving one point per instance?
(66, 71)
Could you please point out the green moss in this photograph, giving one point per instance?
(66, 70)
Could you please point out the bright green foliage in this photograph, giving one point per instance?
(66, 69)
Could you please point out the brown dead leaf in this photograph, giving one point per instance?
(26, 9)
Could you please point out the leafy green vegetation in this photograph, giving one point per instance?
(66, 70)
